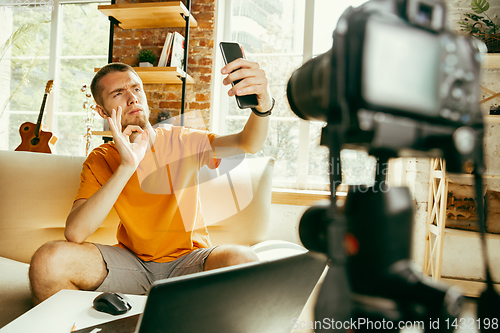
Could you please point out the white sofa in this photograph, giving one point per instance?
(37, 192)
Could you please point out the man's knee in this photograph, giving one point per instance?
(229, 255)
(49, 260)
(243, 254)
(65, 265)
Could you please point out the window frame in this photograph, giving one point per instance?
(219, 94)
(55, 59)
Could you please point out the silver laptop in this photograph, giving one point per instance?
(262, 297)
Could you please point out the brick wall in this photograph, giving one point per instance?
(167, 98)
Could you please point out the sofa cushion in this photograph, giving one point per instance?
(14, 290)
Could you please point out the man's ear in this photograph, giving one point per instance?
(101, 111)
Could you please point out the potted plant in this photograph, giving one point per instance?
(146, 58)
(479, 24)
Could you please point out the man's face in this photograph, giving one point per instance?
(125, 89)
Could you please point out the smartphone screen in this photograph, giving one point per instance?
(230, 52)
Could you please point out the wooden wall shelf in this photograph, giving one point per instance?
(492, 119)
(167, 75)
(462, 233)
(149, 15)
(159, 75)
(492, 61)
(106, 134)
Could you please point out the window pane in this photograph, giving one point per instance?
(263, 26)
(319, 166)
(326, 15)
(357, 167)
(29, 95)
(283, 144)
(272, 33)
(71, 131)
(23, 72)
(85, 30)
(84, 46)
(278, 70)
(42, 36)
(27, 99)
(234, 125)
(73, 74)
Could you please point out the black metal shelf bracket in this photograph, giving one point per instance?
(184, 66)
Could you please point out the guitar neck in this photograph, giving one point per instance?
(40, 116)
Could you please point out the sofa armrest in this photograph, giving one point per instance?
(37, 194)
(15, 290)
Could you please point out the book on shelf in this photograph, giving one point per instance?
(165, 52)
(177, 52)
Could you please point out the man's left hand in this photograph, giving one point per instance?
(253, 81)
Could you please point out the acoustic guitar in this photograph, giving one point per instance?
(33, 138)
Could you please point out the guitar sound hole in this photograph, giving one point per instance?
(35, 141)
(26, 128)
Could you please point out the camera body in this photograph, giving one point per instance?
(397, 78)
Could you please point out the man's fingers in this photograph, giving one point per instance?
(144, 138)
(112, 125)
(237, 64)
(245, 74)
(132, 128)
(119, 116)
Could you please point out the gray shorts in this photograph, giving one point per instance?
(129, 274)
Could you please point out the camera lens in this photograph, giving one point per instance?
(308, 90)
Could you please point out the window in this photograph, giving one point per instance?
(281, 35)
(72, 45)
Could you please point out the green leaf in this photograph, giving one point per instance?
(23, 80)
(21, 39)
(480, 6)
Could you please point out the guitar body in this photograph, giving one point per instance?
(33, 138)
(30, 142)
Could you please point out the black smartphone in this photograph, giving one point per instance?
(230, 52)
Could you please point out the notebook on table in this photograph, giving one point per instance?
(257, 297)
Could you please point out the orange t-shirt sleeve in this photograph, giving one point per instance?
(89, 184)
(214, 162)
(199, 143)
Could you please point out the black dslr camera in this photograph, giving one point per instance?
(397, 79)
(397, 82)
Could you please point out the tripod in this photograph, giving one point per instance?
(371, 284)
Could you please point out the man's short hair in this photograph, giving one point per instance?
(96, 88)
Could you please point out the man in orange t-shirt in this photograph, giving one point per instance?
(148, 176)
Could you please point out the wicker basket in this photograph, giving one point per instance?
(492, 41)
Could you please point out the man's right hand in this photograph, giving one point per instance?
(131, 151)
